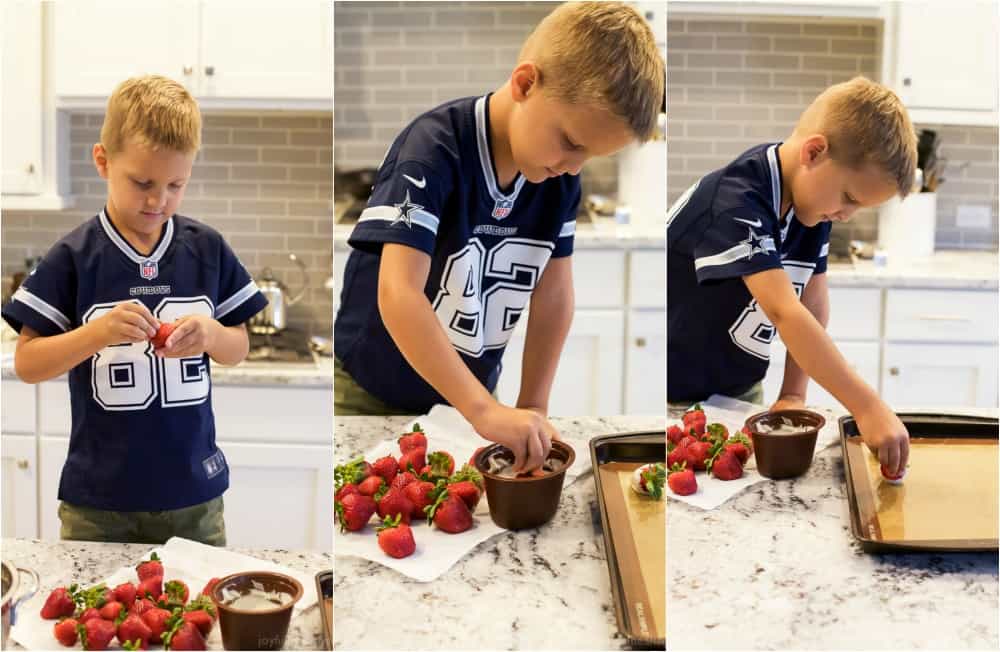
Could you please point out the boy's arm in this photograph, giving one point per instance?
(197, 334)
(548, 323)
(38, 358)
(410, 320)
(816, 299)
(817, 355)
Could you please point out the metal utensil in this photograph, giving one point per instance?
(274, 317)
(11, 597)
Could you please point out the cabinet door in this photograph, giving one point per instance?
(947, 55)
(646, 364)
(22, 98)
(20, 487)
(861, 356)
(266, 414)
(52, 453)
(939, 375)
(147, 38)
(18, 407)
(589, 378)
(267, 50)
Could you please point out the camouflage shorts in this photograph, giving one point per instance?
(203, 522)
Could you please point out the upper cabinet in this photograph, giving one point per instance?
(228, 55)
(810, 8)
(943, 62)
(22, 98)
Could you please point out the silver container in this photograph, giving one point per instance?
(14, 595)
(274, 317)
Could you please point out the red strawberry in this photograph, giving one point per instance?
(59, 603)
(141, 606)
(694, 419)
(209, 586)
(125, 593)
(370, 486)
(675, 433)
(467, 491)
(401, 480)
(151, 568)
(162, 333)
(89, 614)
(156, 620)
(897, 478)
(419, 493)
(386, 467)
(111, 610)
(183, 635)
(687, 440)
(425, 472)
(677, 456)
(395, 538)
(132, 630)
(348, 488)
(682, 481)
(96, 633)
(65, 632)
(740, 445)
(441, 463)
(413, 440)
(697, 455)
(414, 460)
(472, 460)
(201, 620)
(651, 479)
(727, 466)
(151, 587)
(354, 511)
(450, 513)
(352, 473)
(717, 432)
(177, 590)
(395, 503)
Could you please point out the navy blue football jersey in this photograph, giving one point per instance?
(726, 226)
(143, 435)
(437, 191)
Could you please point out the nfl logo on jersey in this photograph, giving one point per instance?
(148, 269)
(502, 208)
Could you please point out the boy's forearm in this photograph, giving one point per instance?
(816, 299)
(549, 321)
(38, 359)
(231, 345)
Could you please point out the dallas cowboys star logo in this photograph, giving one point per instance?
(405, 209)
(758, 244)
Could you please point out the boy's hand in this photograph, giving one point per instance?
(788, 402)
(127, 322)
(885, 434)
(525, 432)
(193, 335)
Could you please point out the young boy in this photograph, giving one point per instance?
(142, 465)
(473, 213)
(747, 247)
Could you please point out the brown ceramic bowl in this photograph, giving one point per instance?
(518, 503)
(259, 629)
(784, 456)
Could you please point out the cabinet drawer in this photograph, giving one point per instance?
(263, 413)
(941, 315)
(647, 279)
(599, 278)
(18, 405)
(939, 375)
(855, 313)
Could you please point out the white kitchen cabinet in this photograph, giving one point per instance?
(794, 8)
(914, 315)
(17, 408)
(19, 478)
(52, 453)
(862, 357)
(599, 278)
(646, 362)
(647, 279)
(22, 98)
(940, 374)
(300, 414)
(54, 414)
(855, 314)
(589, 378)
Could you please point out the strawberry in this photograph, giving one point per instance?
(651, 479)
(727, 466)
(414, 460)
(125, 593)
(209, 586)
(90, 613)
(132, 630)
(469, 473)
(681, 480)
(740, 445)
(717, 432)
(441, 463)
(65, 632)
(370, 485)
(413, 440)
(156, 619)
(386, 467)
(348, 488)
(151, 568)
(162, 333)
(419, 493)
(151, 587)
(895, 479)
(395, 503)
(177, 590)
(694, 419)
(201, 620)
(677, 456)
(96, 633)
(467, 491)
(449, 512)
(111, 610)
(60, 603)
(351, 473)
(675, 433)
(395, 538)
(182, 634)
(354, 511)
(687, 440)
(402, 480)
(472, 460)
(141, 606)
(697, 454)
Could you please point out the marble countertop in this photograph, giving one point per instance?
(781, 559)
(968, 270)
(62, 562)
(546, 588)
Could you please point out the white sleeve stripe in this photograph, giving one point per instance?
(568, 229)
(730, 255)
(236, 300)
(42, 308)
(825, 251)
(391, 214)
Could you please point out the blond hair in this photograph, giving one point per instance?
(865, 123)
(155, 112)
(600, 53)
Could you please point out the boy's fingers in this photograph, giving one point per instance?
(904, 452)
(535, 458)
(893, 456)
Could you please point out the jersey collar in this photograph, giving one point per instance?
(130, 252)
(773, 163)
(486, 161)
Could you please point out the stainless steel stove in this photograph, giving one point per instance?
(287, 346)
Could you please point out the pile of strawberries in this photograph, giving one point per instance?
(702, 446)
(149, 612)
(418, 485)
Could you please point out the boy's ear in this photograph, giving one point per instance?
(523, 80)
(815, 149)
(100, 156)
